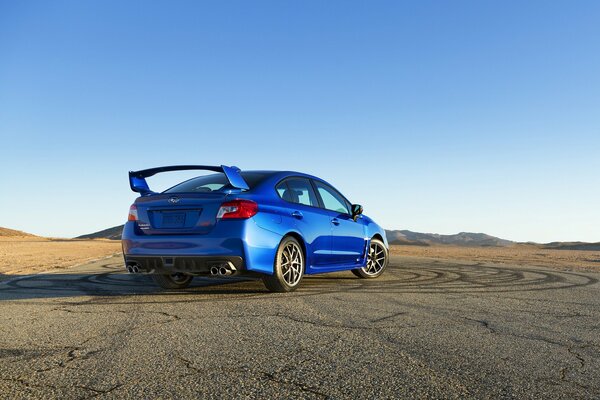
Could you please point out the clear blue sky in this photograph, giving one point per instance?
(440, 116)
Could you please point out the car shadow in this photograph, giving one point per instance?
(116, 283)
(424, 277)
(57, 285)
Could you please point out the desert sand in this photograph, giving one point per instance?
(519, 254)
(21, 255)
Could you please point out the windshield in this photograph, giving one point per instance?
(214, 183)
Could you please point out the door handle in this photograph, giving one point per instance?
(335, 221)
(297, 215)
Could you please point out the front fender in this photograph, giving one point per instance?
(372, 229)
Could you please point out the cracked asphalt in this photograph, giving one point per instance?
(426, 329)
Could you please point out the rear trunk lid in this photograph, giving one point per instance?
(178, 214)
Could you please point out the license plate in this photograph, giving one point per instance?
(173, 220)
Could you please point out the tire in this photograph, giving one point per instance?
(175, 281)
(379, 253)
(288, 268)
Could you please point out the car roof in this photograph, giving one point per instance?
(281, 174)
(273, 177)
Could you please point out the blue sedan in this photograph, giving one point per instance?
(275, 225)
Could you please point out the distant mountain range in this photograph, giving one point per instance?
(469, 239)
(395, 237)
(411, 238)
(113, 233)
(572, 246)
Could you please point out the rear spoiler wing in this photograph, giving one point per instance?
(137, 179)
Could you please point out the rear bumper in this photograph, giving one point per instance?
(247, 246)
(193, 265)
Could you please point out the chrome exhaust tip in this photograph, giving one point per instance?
(227, 269)
(222, 269)
(133, 269)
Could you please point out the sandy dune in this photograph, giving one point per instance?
(5, 232)
(26, 255)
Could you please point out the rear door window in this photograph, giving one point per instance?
(298, 191)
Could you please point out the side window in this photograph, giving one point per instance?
(297, 190)
(332, 199)
(281, 188)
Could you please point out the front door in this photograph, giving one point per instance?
(348, 236)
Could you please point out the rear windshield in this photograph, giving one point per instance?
(214, 183)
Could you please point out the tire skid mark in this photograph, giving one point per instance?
(113, 287)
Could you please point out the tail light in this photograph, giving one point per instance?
(239, 209)
(132, 213)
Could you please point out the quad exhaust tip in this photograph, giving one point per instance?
(133, 269)
(222, 269)
(216, 270)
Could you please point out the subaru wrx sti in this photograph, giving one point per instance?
(276, 225)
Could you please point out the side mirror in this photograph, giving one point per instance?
(357, 210)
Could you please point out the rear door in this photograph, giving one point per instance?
(310, 220)
(348, 236)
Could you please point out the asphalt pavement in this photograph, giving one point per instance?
(425, 329)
